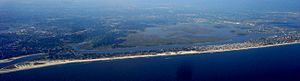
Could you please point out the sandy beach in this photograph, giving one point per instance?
(59, 62)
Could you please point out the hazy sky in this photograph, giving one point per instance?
(205, 4)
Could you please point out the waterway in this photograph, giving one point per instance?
(278, 63)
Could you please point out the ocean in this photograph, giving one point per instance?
(278, 63)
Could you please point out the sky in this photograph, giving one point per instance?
(201, 4)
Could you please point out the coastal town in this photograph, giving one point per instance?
(258, 43)
(32, 40)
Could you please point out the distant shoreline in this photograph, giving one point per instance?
(60, 62)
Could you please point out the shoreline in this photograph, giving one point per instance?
(20, 57)
(60, 62)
